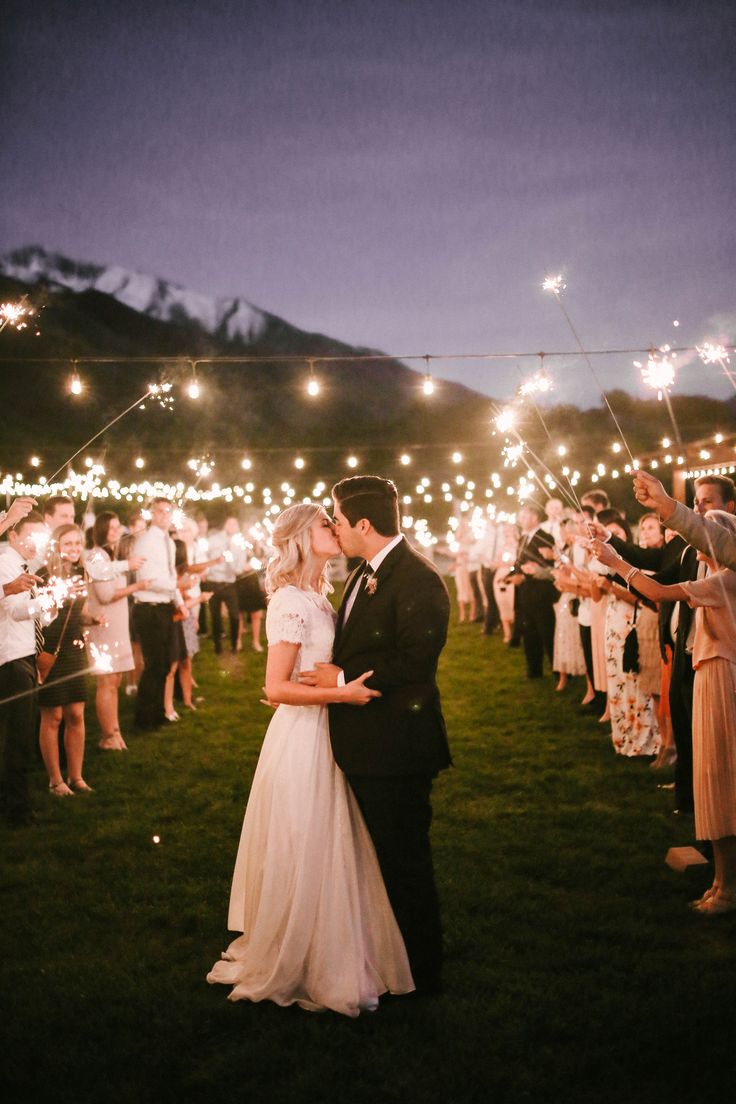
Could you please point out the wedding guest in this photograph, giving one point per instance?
(714, 706)
(64, 690)
(490, 550)
(464, 594)
(597, 499)
(126, 544)
(227, 548)
(19, 609)
(634, 727)
(594, 701)
(58, 510)
(179, 659)
(19, 509)
(153, 614)
(536, 591)
(252, 603)
(554, 512)
(108, 602)
(568, 659)
(504, 591)
(701, 532)
(678, 563)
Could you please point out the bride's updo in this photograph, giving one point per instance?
(293, 563)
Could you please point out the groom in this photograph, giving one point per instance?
(392, 621)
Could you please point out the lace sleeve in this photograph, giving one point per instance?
(285, 620)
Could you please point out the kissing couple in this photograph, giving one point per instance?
(333, 887)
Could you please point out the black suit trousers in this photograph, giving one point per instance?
(492, 619)
(153, 626)
(17, 735)
(681, 712)
(537, 601)
(398, 815)
(227, 594)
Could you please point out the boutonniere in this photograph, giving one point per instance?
(371, 584)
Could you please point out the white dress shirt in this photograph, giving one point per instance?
(374, 565)
(160, 552)
(17, 612)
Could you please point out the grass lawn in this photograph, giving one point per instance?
(575, 971)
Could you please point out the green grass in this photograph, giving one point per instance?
(575, 971)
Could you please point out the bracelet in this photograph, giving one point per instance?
(629, 576)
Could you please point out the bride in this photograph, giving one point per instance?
(307, 891)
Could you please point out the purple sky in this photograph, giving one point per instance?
(395, 174)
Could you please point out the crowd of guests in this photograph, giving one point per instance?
(647, 621)
(649, 624)
(117, 602)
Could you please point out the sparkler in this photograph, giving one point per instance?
(659, 374)
(150, 391)
(538, 384)
(556, 285)
(710, 353)
(505, 420)
(15, 314)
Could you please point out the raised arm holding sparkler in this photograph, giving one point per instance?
(702, 533)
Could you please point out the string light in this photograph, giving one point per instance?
(313, 387)
(300, 463)
(428, 385)
(246, 463)
(193, 389)
(352, 461)
(405, 459)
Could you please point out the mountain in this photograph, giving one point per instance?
(109, 315)
(226, 319)
(118, 324)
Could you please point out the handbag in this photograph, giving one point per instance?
(631, 648)
(46, 660)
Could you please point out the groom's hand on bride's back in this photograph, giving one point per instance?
(324, 675)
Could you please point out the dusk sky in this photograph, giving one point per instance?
(398, 175)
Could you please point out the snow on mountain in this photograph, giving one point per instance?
(232, 318)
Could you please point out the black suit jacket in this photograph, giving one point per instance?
(533, 590)
(398, 633)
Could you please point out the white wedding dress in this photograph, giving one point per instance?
(307, 890)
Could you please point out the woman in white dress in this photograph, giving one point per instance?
(307, 892)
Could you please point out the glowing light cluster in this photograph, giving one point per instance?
(15, 315)
(555, 284)
(538, 384)
(658, 373)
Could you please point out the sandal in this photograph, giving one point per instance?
(78, 785)
(60, 789)
(719, 904)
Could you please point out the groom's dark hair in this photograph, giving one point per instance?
(370, 497)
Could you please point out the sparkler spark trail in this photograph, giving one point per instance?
(710, 353)
(539, 383)
(14, 314)
(556, 285)
(659, 374)
(104, 429)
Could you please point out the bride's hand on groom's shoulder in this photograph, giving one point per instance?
(324, 675)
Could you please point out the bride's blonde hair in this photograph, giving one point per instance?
(294, 564)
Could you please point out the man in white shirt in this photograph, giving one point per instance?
(18, 611)
(153, 613)
(228, 543)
